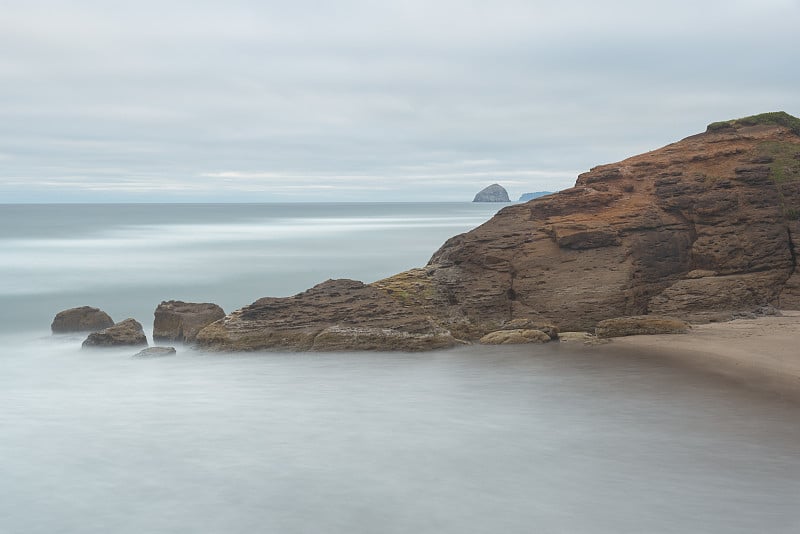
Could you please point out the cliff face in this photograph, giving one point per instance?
(698, 229)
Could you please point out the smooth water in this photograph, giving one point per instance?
(553, 438)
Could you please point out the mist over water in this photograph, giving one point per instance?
(553, 438)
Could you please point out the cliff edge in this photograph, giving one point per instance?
(698, 229)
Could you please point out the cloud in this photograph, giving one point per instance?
(412, 98)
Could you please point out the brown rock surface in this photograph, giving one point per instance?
(181, 321)
(334, 315)
(640, 325)
(699, 229)
(514, 337)
(124, 333)
(82, 319)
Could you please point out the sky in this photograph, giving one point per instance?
(266, 101)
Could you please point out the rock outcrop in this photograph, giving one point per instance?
(125, 333)
(334, 315)
(492, 193)
(698, 230)
(82, 319)
(181, 321)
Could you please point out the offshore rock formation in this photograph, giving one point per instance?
(81, 319)
(176, 320)
(492, 193)
(125, 333)
(697, 230)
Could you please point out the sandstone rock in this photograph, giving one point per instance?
(639, 325)
(524, 323)
(181, 321)
(155, 352)
(492, 193)
(699, 230)
(127, 332)
(82, 319)
(513, 337)
(334, 315)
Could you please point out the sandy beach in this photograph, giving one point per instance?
(762, 353)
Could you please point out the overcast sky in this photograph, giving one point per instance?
(368, 100)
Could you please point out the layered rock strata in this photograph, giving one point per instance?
(125, 333)
(176, 320)
(698, 230)
(81, 319)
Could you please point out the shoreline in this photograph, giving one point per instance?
(762, 353)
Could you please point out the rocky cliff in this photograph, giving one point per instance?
(698, 229)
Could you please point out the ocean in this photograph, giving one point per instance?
(540, 438)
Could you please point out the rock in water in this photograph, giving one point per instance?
(155, 352)
(493, 193)
(181, 321)
(127, 332)
(82, 319)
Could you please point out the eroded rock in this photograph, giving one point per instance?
(514, 337)
(155, 352)
(125, 333)
(176, 320)
(81, 319)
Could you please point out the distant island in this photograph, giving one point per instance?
(530, 196)
(493, 193)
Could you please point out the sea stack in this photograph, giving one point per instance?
(493, 193)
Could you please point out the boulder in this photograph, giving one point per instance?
(514, 337)
(125, 333)
(639, 325)
(82, 319)
(155, 352)
(523, 323)
(492, 193)
(181, 321)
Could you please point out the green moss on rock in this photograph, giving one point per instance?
(780, 118)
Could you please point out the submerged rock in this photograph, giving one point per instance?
(155, 352)
(643, 324)
(181, 321)
(127, 332)
(81, 319)
(493, 193)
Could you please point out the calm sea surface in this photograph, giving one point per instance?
(531, 439)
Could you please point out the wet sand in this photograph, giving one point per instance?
(762, 353)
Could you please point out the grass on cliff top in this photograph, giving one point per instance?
(781, 118)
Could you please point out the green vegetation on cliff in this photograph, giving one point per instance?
(781, 118)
